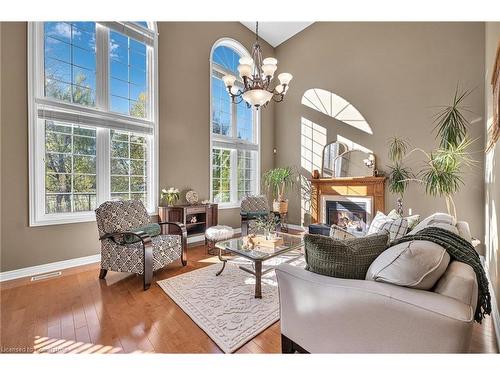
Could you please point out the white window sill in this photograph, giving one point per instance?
(69, 218)
(62, 219)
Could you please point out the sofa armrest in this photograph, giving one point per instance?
(325, 314)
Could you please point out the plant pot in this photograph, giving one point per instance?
(280, 206)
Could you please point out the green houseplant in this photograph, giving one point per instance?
(399, 175)
(442, 172)
(278, 181)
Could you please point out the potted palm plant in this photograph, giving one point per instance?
(278, 181)
(399, 175)
(443, 168)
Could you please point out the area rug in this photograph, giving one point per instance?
(224, 306)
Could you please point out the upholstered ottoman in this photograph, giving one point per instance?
(216, 234)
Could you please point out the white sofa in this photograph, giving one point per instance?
(321, 314)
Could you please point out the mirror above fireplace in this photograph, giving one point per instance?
(339, 161)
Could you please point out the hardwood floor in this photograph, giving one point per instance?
(78, 313)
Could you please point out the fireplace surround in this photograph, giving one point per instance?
(351, 195)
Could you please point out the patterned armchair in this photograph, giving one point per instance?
(115, 219)
(252, 208)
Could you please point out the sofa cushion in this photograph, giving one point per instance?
(464, 231)
(395, 227)
(347, 259)
(459, 282)
(415, 264)
(340, 233)
(439, 220)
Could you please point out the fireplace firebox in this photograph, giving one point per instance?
(347, 214)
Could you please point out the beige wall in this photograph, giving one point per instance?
(184, 50)
(393, 73)
(492, 167)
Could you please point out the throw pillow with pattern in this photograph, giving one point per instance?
(396, 227)
(347, 259)
(412, 219)
(340, 233)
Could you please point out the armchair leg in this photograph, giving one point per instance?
(148, 265)
(184, 247)
(183, 258)
(244, 227)
(102, 273)
(147, 282)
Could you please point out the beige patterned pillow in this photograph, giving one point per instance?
(396, 228)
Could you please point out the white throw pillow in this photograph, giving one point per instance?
(414, 264)
(439, 220)
(395, 227)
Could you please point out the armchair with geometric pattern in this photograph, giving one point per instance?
(117, 221)
(252, 208)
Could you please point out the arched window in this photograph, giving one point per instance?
(235, 152)
(93, 117)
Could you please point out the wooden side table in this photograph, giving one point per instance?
(196, 217)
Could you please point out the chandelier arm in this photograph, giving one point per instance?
(278, 97)
(235, 99)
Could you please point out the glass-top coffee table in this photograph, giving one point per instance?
(259, 254)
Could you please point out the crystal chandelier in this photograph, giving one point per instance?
(257, 74)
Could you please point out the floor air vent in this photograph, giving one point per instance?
(46, 276)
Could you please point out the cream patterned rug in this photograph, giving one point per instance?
(224, 306)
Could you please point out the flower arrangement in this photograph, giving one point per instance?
(170, 196)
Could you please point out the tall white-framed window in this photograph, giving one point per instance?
(92, 117)
(234, 132)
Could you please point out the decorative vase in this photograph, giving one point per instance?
(267, 234)
(280, 206)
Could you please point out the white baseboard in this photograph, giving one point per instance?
(49, 267)
(57, 266)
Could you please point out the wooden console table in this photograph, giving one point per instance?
(206, 216)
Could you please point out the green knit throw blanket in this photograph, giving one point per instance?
(462, 251)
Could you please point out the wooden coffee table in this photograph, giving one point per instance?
(292, 244)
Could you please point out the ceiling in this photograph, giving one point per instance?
(276, 33)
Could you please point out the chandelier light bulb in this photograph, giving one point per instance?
(229, 80)
(270, 61)
(234, 90)
(245, 70)
(285, 78)
(269, 69)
